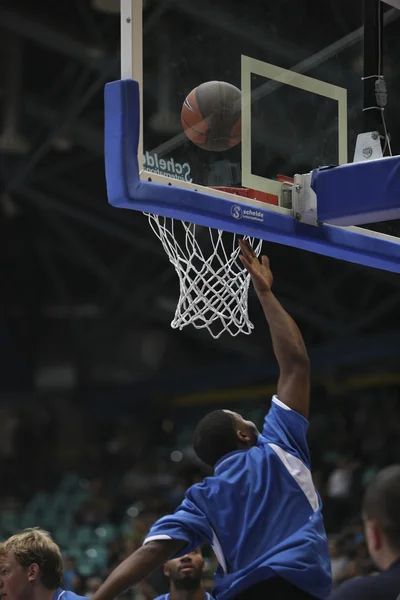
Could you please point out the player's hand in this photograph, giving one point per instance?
(260, 272)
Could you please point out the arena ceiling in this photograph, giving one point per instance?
(86, 288)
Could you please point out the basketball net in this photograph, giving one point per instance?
(213, 283)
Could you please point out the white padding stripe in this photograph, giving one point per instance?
(216, 546)
(276, 400)
(300, 473)
(156, 537)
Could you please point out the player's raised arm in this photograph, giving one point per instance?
(289, 348)
(137, 566)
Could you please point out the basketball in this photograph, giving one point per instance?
(211, 116)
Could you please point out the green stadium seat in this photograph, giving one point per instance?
(30, 518)
(75, 552)
(85, 537)
(40, 501)
(98, 555)
(76, 499)
(60, 500)
(87, 568)
(62, 536)
(9, 523)
(126, 528)
(69, 483)
(106, 533)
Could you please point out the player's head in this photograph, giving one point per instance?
(381, 516)
(220, 432)
(186, 572)
(28, 561)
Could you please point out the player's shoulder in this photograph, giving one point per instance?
(364, 588)
(68, 595)
(205, 494)
(281, 410)
(203, 489)
(284, 425)
(162, 597)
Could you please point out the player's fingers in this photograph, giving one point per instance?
(243, 244)
(246, 250)
(265, 261)
(245, 263)
(250, 248)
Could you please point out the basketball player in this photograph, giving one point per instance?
(260, 511)
(31, 568)
(381, 514)
(185, 576)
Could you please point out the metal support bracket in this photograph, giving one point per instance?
(368, 147)
(304, 200)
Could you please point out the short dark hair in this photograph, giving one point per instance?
(214, 436)
(382, 504)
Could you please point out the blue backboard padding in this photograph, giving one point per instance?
(357, 193)
(126, 190)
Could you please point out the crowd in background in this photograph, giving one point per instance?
(133, 468)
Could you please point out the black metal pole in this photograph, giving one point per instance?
(373, 63)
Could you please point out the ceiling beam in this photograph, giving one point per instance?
(70, 115)
(223, 20)
(53, 38)
(103, 225)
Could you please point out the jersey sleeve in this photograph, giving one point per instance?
(287, 428)
(187, 523)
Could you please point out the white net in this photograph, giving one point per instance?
(213, 282)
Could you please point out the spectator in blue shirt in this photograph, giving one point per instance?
(31, 568)
(381, 514)
(260, 511)
(70, 572)
(185, 576)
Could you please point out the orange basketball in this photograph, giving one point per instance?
(211, 116)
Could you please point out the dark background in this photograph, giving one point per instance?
(87, 291)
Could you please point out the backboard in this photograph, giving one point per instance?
(299, 67)
(290, 95)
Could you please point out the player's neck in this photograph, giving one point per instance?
(197, 594)
(388, 559)
(42, 593)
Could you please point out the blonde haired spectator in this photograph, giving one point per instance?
(31, 568)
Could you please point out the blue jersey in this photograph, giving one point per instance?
(66, 595)
(260, 512)
(207, 596)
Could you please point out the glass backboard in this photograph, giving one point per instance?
(300, 71)
(295, 76)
